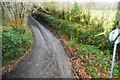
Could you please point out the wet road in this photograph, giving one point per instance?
(47, 59)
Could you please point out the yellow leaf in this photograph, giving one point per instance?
(102, 52)
(82, 20)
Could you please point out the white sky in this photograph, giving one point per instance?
(60, 0)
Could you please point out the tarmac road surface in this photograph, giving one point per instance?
(47, 59)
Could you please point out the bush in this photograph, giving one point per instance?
(14, 43)
(82, 34)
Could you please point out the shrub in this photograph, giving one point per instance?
(82, 34)
(14, 43)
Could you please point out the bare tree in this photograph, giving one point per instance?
(14, 12)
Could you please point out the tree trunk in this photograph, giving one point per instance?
(118, 16)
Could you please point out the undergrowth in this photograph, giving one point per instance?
(14, 43)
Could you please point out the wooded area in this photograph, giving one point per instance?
(83, 28)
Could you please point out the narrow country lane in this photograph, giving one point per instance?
(47, 59)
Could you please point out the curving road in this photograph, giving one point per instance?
(47, 59)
